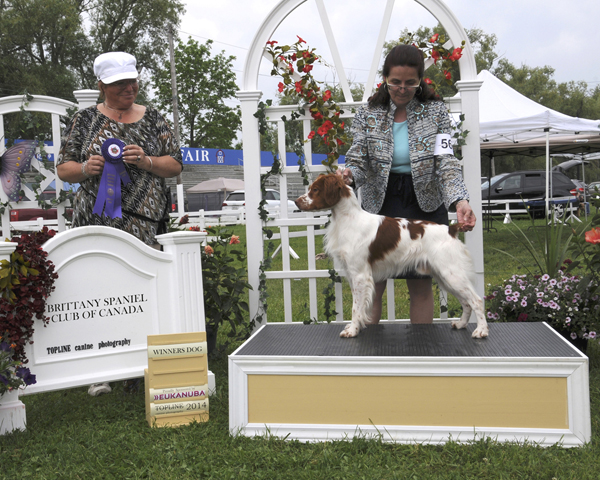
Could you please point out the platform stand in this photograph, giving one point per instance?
(411, 384)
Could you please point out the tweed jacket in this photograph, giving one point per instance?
(437, 179)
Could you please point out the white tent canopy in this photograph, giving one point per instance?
(510, 123)
(507, 116)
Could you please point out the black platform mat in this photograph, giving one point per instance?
(400, 340)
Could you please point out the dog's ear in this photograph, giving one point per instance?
(332, 189)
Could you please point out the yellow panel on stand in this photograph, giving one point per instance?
(176, 379)
(392, 400)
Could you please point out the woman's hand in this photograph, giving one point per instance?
(134, 155)
(94, 165)
(465, 215)
(346, 175)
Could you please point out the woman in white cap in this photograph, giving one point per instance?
(150, 153)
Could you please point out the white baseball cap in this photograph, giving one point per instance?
(114, 66)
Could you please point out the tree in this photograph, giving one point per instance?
(45, 48)
(133, 26)
(204, 82)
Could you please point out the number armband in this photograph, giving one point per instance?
(443, 144)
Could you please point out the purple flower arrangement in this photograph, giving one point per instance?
(563, 302)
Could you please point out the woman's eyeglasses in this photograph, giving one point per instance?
(121, 84)
(408, 88)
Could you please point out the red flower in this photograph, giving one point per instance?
(294, 57)
(379, 85)
(342, 125)
(311, 134)
(317, 115)
(195, 228)
(428, 81)
(291, 67)
(300, 40)
(434, 38)
(456, 54)
(447, 74)
(593, 236)
(183, 220)
(323, 129)
(272, 42)
(306, 54)
(298, 87)
(307, 68)
(327, 95)
(339, 142)
(281, 87)
(522, 317)
(435, 55)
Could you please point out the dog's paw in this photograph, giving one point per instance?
(350, 331)
(481, 332)
(458, 324)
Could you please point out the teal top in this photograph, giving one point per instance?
(401, 158)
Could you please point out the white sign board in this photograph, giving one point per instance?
(112, 292)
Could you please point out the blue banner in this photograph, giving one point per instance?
(218, 156)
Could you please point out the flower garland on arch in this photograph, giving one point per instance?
(294, 64)
(434, 48)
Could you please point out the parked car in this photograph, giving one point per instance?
(237, 200)
(594, 189)
(529, 185)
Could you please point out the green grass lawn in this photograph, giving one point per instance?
(71, 435)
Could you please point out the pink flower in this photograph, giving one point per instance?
(209, 250)
(522, 317)
(234, 240)
(593, 236)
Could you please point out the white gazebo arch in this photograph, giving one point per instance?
(250, 96)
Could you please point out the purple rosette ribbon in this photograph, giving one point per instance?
(109, 192)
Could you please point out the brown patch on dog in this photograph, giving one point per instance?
(386, 240)
(454, 229)
(416, 230)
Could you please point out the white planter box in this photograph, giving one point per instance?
(12, 413)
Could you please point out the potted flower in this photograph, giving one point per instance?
(224, 284)
(26, 281)
(13, 376)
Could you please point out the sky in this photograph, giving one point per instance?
(531, 32)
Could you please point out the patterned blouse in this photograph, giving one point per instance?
(144, 200)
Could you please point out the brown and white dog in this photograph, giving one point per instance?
(372, 248)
